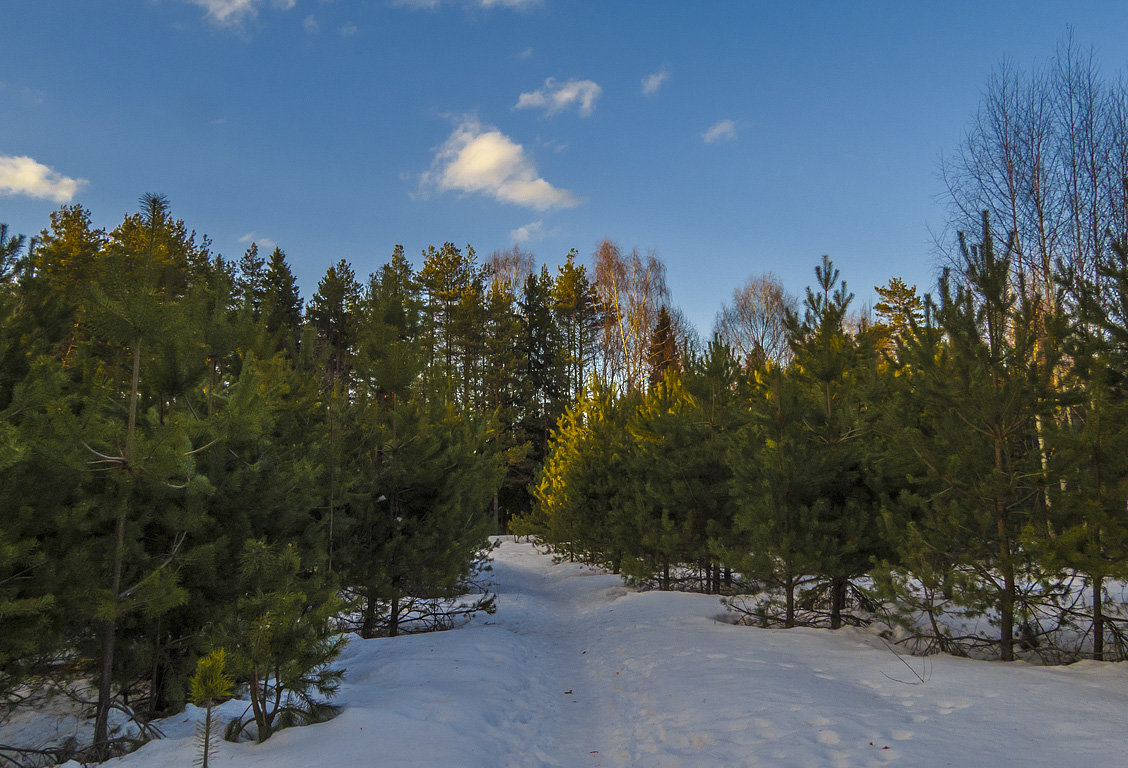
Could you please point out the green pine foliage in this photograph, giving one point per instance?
(281, 640)
(983, 384)
(209, 685)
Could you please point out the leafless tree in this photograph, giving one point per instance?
(1046, 155)
(631, 290)
(511, 268)
(753, 324)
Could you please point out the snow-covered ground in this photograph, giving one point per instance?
(577, 670)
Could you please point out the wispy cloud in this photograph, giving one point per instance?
(432, 4)
(348, 30)
(555, 96)
(232, 13)
(310, 25)
(262, 242)
(525, 54)
(653, 82)
(21, 175)
(725, 130)
(480, 159)
(530, 233)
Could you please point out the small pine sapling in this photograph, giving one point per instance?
(207, 687)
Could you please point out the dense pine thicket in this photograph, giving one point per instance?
(192, 459)
(962, 455)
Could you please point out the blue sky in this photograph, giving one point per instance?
(731, 138)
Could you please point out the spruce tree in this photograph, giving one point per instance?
(577, 308)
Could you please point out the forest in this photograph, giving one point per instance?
(205, 479)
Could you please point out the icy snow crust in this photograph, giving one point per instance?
(576, 670)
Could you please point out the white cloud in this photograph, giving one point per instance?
(262, 242)
(481, 159)
(227, 13)
(554, 96)
(725, 130)
(348, 30)
(525, 54)
(651, 83)
(530, 233)
(431, 4)
(232, 13)
(20, 175)
(310, 25)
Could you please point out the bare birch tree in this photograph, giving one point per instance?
(631, 290)
(753, 324)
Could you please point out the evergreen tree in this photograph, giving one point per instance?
(252, 280)
(208, 687)
(1088, 506)
(281, 302)
(663, 354)
(453, 287)
(776, 536)
(898, 312)
(281, 642)
(832, 367)
(331, 312)
(576, 305)
(418, 508)
(543, 370)
(504, 394)
(979, 393)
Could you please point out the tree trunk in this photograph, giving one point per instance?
(368, 623)
(1098, 618)
(1006, 602)
(837, 602)
(789, 590)
(109, 641)
(393, 617)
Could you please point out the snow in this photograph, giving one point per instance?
(577, 670)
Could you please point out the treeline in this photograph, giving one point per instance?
(193, 458)
(963, 455)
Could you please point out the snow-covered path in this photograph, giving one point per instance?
(576, 670)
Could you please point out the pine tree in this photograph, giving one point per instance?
(208, 686)
(663, 354)
(576, 305)
(776, 535)
(453, 287)
(898, 312)
(146, 452)
(252, 280)
(331, 312)
(542, 370)
(281, 302)
(1088, 507)
(282, 643)
(979, 393)
(832, 367)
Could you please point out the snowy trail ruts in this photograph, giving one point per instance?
(576, 671)
(567, 717)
